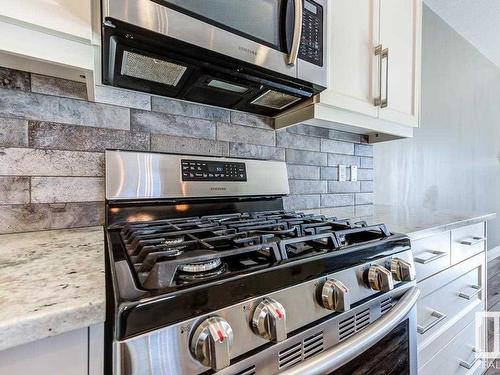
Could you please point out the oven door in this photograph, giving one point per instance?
(285, 36)
(387, 346)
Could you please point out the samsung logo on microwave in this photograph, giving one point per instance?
(218, 189)
(247, 50)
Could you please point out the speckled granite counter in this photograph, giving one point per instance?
(50, 283)
(416, 222)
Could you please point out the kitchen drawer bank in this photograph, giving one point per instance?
(53, 302)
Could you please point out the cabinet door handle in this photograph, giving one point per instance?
(477, 290)
(437, 255)
(471, 364)
(385, 55)
(378, 52)
(438, 317)
(472, 241)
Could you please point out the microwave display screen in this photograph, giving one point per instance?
(259, 19)
(310, 7)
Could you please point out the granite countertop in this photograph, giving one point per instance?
(51, 282)
(416, 222)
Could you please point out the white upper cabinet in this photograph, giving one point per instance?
(374, 70)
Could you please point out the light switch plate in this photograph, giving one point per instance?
(354, 173)
(342, 173)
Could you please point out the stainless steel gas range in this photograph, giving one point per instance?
(207, 273)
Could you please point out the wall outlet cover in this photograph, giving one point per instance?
(342, 173)
(354, 173)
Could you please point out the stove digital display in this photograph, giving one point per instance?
(206, 170)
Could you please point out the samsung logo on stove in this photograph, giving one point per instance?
(247, 50)
(218, 188)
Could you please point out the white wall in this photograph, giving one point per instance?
(453, 161)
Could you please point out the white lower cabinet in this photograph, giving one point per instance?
(78, 352)
(453, 290)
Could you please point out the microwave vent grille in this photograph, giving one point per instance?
(150, 69)
(274, 99)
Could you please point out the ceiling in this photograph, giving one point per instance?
(478, 21)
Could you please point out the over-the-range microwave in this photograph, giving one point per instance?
(259, 56)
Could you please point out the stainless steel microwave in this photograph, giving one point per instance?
(260, 56)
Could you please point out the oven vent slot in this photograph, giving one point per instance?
(248, 371)
(385, 305)
(301, 351)
(353, 324)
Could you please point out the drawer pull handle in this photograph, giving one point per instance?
(438, 317)
(472, 241)
(425, 260)
(469, 365)
(477, 290)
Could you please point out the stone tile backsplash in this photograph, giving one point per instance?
(52, 142)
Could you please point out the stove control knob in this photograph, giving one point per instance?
(211, 343)
(380, 278)
(335, 296)
(402, 270)
(269, 320)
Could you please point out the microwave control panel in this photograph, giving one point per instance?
(311, 46)
(206, 170)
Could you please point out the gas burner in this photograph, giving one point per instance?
(173, 241)
(173, 251)
(200, 267)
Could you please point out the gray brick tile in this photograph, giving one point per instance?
(31, 162)
(186, 145)
(13, 132)
(344, 186)
(35, 217)
(244, 150)
(14, 190)
(301, 202)
(366, 186)
(245, 134)
(336, 159)
(329, 173)
(307, 187)
(338, 147)
(14, 79)
(67, 189)
(366, 163)
(58, 87)
(123, 98)
(64, 137)
(365, 174)
(182, 108)
(56, 109)
(337, 200)
(162, 123)
(364, 198)
(306, 157)
(363, 150)
(309, 130)
(248, 119)
(303, 172)
(296, 141)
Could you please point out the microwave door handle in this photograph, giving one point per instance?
(343, 353)
(297, 33)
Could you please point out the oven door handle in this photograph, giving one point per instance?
(343, 353)
(297, 33)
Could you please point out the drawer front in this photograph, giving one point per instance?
(449, 296)
(456, 358)
(431, 255)
(467, 241)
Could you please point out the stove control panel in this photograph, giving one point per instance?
(335, 296)
(207, 170)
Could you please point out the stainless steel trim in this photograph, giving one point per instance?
(385, 102)
(297, 33)
(437, 255)
(378, 52)
(477, 290)
(341, 354)
(473, 241)
(142, 175)
(438, 317)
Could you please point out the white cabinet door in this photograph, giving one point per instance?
(400, 33)
(352, 36)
